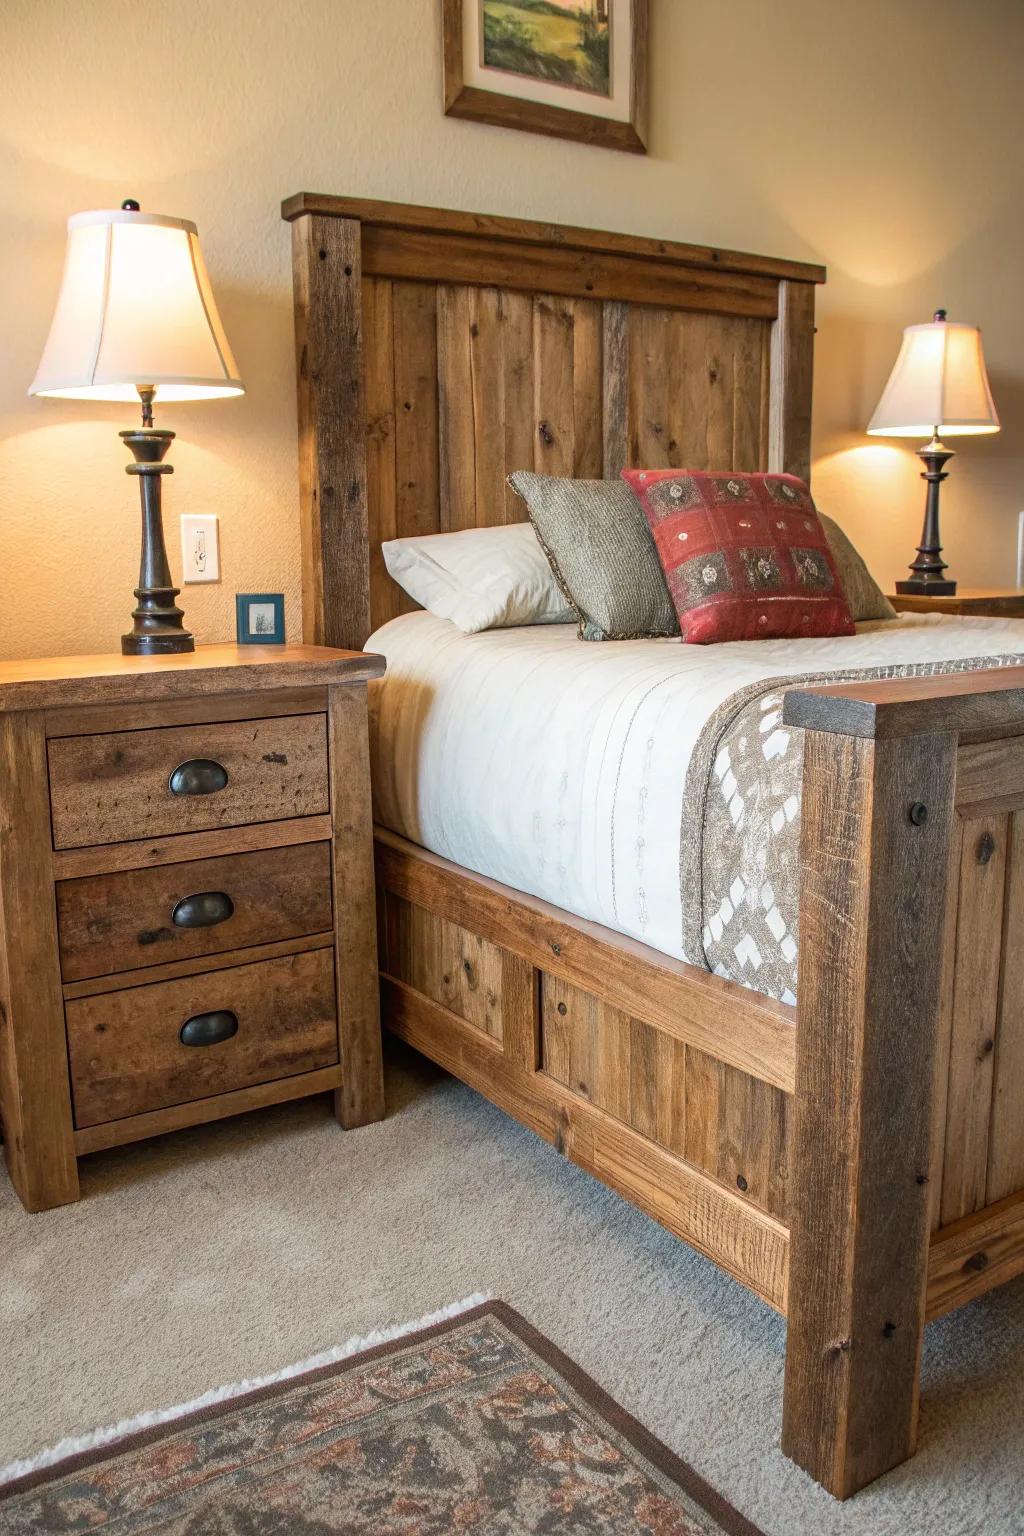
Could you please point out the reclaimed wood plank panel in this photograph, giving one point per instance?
(517, 398)
(386, 597)
(416, 467)
(718, 400)
(975, 1015)
(872, 899)
(554, 386)
(447, 963)
(1006, 1133)
(648, 386)
(615, 384)
(745, 1242)
(456, 428)
(739, 1026)
(587, 434)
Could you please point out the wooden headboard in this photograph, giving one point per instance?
(438, 351)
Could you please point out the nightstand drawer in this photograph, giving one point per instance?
(119, 922)
(137, 784)
(247, 1024)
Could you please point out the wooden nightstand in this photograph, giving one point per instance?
(988, 602)
(187, 897)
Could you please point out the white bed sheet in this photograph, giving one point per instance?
(557, 766)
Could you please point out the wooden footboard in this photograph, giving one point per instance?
(862, 1171)
(906, 1192)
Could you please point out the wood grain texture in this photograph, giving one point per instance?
(988, 701)
(151, 853)
(413, 216)
(1005, 1173)
(446, 963)
(792, 378)
(115, 787)
(94, 719)
(975, 1008)
(360, 1099)
(989, 602)
(69, 682)
(425, 256)
(724, 1122)
(975, 1255)
(118, 922)
(745, 1030)
(327, 275)
(35, 1105)
(745, 1242)
(157, 1122)
(386, 597)
(990, 775)
(127, 1059)
(202, 965)
(872, 900)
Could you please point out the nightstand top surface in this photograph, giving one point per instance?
(55, 682)
(992, 602)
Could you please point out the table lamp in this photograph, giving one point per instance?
(135, 320)
(938, 386)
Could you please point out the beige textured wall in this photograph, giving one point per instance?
(881, 138)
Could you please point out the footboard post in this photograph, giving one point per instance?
(876, 827)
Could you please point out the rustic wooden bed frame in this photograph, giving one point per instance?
(858, 1161)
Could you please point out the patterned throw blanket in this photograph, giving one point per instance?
(740, 875)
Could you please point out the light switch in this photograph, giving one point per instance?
(200, 555)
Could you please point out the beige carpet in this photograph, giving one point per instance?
(232, 1250)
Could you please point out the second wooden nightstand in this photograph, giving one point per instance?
(186, 888)
(986, 602)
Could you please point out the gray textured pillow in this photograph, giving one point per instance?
(596, 538)
(864, 596)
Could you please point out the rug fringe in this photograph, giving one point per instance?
(74, 1445)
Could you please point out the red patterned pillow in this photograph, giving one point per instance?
(745, 556)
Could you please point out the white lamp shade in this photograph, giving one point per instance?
(939, 385)
(135, 309)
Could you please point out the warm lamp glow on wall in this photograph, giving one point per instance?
(135, 320)
(938, 387)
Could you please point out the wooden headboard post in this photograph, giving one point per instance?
(437, 351)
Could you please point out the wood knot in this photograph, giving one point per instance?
(741, 1182)
(888, 1330)
(556, 949)
(562, 1009)
(976, 1264)
(474, 330)
(546, 434)
(841, 1347)
(986, 848)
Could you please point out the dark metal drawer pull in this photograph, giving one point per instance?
(209, 1028)
(199, 776)
(203, 910)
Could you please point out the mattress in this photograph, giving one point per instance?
(563, 769)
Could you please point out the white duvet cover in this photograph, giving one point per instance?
(557, 766)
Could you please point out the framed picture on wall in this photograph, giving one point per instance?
(574, 69)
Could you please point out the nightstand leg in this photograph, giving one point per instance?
(35, 1094)
(360, 1099)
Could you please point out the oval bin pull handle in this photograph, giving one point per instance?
(208, 1028)
(199, 776)
(203, 910)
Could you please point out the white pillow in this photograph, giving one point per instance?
(479, 578)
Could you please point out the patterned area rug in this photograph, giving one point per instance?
(477, 1424)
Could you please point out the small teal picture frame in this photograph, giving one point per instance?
(259, 618)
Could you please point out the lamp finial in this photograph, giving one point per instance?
(130, 205)
(940, 314)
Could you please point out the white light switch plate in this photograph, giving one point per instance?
(200, 551)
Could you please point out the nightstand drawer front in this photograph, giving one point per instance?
(260, 1022)
(136, 784)
(112, 923)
